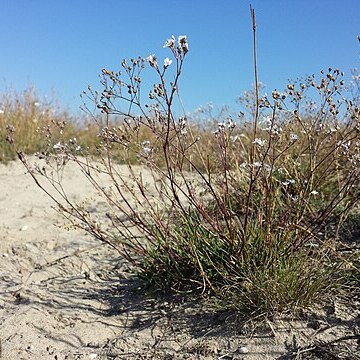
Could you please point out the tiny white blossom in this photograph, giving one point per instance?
(146, 147)
(294, 137)
(230, 123)
(221, 126)
(36, 104)
(152, 60)
(183, 44)
(221, 129)
(270, 126)
(288, 182)
(167, 62)
(314, 192)
(170, 43)
(259, 142)
(183, 126)
(58, 146)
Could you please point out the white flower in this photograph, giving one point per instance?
(221, 126)
(259, 142)
(230, 123)
(146, 147)
(170, 43)
(58, 146)
(314, 192)
(288, 182)
(293, 137)
(167, 62)
(220, 130)
(36, 104)
(152, 60)
(183, 125)
(271, 126)
(183, 44)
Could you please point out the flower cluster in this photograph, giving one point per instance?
(222, 126)
(179, 49)
(146, 149)
(271, 126)
(259, 142)
(183, 125)
(152, 59)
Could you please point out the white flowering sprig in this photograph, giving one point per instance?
(146, 149)
(179, 48)
(183, 46)
(271, 127)
(221, 128)
(170, 43)
(230, 123)
(152, 59)
(183, 124)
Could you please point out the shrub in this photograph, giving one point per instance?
(235, 214)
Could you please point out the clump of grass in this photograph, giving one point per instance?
(36, 125)
(235, 213)
(26, 114)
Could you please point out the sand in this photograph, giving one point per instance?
(64, 295)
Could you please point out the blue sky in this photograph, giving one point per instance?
(62, 46)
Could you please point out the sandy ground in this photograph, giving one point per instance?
(63, 295)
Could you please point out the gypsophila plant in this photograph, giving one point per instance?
(236, 212)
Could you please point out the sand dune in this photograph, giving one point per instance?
(64, 295)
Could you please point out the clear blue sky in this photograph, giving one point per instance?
(63, 45)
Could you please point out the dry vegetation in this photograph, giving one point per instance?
(252, 213)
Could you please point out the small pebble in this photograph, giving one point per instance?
(242, 350)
